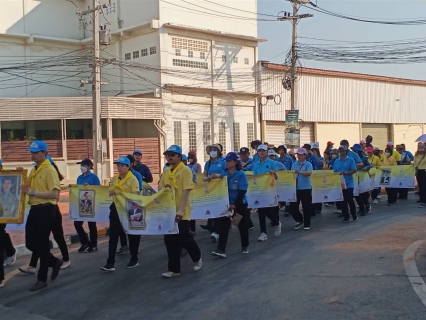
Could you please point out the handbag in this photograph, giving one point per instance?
(236, 219)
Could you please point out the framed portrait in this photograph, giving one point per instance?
(136, 215)
(12, 201)
(87, 203)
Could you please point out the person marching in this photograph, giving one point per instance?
(303, 170)
(362, 198)
(179, 178)
(43, 191)
(420, 165)
(141, 168)
(237, 189)
(254, 145)
(406, 159)
(195, 168)
(87, 178)
(126, 182)
(389, 160)
(374, 162)
(266, 165)
(285, 159)
(245, 160)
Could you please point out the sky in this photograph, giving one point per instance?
(328, 27)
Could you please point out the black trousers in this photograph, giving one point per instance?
(403, 193)
(2, 248)
(123, 238)
(9, 249)
(192, 225)
(421, 181)
(84, 239)
(348, 200)
(316, 207)
(392, 195)
(212, 226)
(225, 222)
(304, 197)
(37, 231)
(360, 202)
(271, 213)
(375, 193)
(185, 240)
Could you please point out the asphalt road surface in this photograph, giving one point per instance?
(333, 271)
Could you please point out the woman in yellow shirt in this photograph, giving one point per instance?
(375, 162)
(389, 160)
(420, 165)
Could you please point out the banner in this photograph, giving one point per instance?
(364, 182)
(210, 199)
(326, 186)
(147, 190)
(89, 203)
(292, 129)
(20, 226)
(395, 177)
(148, 215)
(262, 191)
(372, 173)
(356, 187)
(286, 186)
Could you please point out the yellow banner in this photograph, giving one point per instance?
(286, 186)
(210, 199)
(395, 177)
(262, 191)
(326, 186)
(89, 203)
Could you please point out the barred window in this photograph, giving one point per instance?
(250, 134)
(190, 64)
(127, 56)
(235, 60)
(236, 136)
(206, 138)
(222, 136)
(177, 51)
(190, 54)
(144, 52)
(223, 58)
(135, 54)
(152, 50)
(192, 135)
(189, 44)
(246, 61)
(202, 55)
(177, 130)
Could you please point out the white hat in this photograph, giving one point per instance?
(262, 147)
(271, 152)
(315, 145)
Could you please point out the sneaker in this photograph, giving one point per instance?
(355, 219)
(10, 260)
(298, 225)
(245, 250)
(422, 205)
(262, 237)
(66, 264)
(132, 264)
(327, 205)
(83, 248)
(306, 228)
(28, 270)
(375, 201)
(1, 284)
(55, 269)
(251, 228)
(219, 254)
(170, 274)
(92, 249)
(39, 285)
(277, 230)
(346, 220)
(108, 267)
(198, 265)
(379, 197)
(367, 209)
(192, 233)
(122, 250)
(338, 211)
(214, 236)
(282, 209)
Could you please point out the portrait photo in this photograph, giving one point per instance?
(136, 215)
(12, 201)
(87, 200)
(385, 177)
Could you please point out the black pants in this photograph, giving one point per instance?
(360, 202)
(316, 207)
(185, 240)
(403, 193)
(225, 222)
(9, 249)
(304, 197)
(212, 225)
(421, 181)
(392, 195)
(2, 248)
(37, 231)
(375, 193)
(192, 225)
(271, 214)
(123, 238)
(348, 200)
(84, 239)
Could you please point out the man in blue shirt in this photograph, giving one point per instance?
(310, 156)
(352, 154)
(285, 159)
(254, 145)
(245, 160)
(135, 173)
(362, 199)
(346, 167)
(141, 168)
(273, 156)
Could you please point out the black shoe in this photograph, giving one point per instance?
(346, 220)
(318, 212)
(55, 269)
(182, 252)
(122, 250)
(298, 225)
(39, 285)
(132, 264)
(83, 248)
(204, 227)
(92, 249)
(108, 267)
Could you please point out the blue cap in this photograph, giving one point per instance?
(357, 147)
(184, 157)
(37, 146)
(262, 147)
(174, 148)
(137, 151)
(231, 156)
(123, 160)
(50, 159)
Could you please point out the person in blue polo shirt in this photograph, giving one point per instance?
(237, 189)
(362, 199)
(245, 159)
(85, 179)
(254, 145)
(273, 156)
(352, 154)
(141, 168)
(346, 166)
(285, 159)
(136, 173)
(303, 170)
(266, 165)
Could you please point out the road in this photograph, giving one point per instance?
(333, 271)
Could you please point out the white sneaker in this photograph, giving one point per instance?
(214, 236)
(327, 205)
(379, 197)
(282, 209)
(277, 230)
(28, 270)
(262, 237)
(1, 284)
(198, 265)
(375, 201)
(66, 264)
(338, 211)
(170, 274)
(10, 260)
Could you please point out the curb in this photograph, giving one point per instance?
(69, 239)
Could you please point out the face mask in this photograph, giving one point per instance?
(83, 169)
(387, 154)
(213, 154)
(421, 150)
(334, 156)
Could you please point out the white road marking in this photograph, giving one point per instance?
(412, 272)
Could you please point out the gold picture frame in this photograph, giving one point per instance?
(12, 200)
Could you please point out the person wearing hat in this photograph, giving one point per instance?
(395, 154)
(266, 165)
(362, 143)
(43, 193)
(125, 182)
(292, 155)
(283, 158)
(303, 170)
(179, 178)
(420, 165)
(245, 160)
(362, 198)
(254, 145)
(329, 146)
(346, 166)
(351, 154)
(317, 164)
(334, 154)
(374, 162)
(87, 178)
(237, 189)
(273, 156)
(389, 160)
(142, 168)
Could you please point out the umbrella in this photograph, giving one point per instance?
(422, 138)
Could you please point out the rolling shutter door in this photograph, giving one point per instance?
(275, 132)
(379, 132)
(307, 133)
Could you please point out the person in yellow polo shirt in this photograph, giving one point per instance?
(394, 154)
(43, 191)
(125, 182)
(179, 178)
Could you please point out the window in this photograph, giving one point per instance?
(127, 56)
(236, 136)
(144, 52)
(189, 44)
(152, 50)
(202, 55)
(135, 54)
(79, 129)
(246, 60)
(192, 135)
(250, 134)
(177, 130)
(190, 54)
(206, 138)
(222, 136)
(223, 58)
(235, 60)
(190, 64)
(177, 51)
